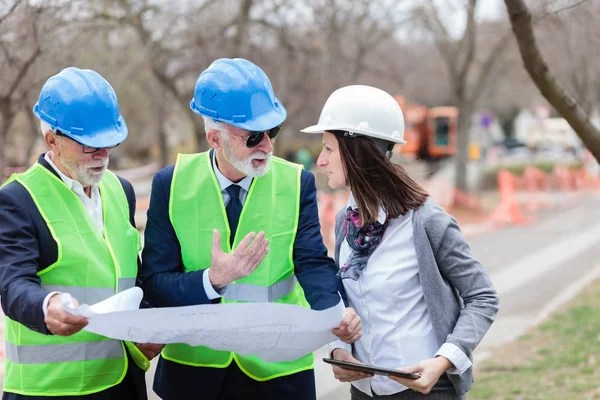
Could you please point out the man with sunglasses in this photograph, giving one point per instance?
(210, 203)
(68, 227)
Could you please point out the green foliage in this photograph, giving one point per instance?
(560, 359)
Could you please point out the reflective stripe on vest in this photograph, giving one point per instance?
(67, 352)
(272, 205)
(90, 266)
(91, 295)
(261, 294)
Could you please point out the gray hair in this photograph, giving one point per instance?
(210, 125)
(45, 127)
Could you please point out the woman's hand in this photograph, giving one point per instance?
(343, 374)
(350, 329)
(430, 369)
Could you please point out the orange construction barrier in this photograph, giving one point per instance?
(508, 211)
(589, 174)
(142, 203)
(327, 212)
(329, 205)
(564, 178)
(535, 183)
(586, 180)
(580, 177)
(466, 200)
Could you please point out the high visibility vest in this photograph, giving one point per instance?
(196, 208)
(90, 267)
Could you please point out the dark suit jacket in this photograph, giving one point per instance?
(166, 284)
(26, 247)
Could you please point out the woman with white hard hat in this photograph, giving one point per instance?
(424, 301)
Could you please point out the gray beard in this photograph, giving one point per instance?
(83, 174)
(245, 166)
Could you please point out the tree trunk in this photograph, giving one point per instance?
(162, 136)
(5, 124)
(551, 89)
(32, 138)
(462, 145)
(242, 29)
(2, 174)
(199, 134)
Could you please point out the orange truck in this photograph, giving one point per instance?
(430, 133)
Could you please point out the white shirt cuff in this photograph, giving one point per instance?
(210, 291)
(46, 301)
(456, 356)
(338, 344)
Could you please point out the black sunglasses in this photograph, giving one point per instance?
(256, 137)
(84, 148)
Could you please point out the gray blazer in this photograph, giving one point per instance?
(459, 294)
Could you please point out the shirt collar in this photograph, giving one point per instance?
(381, 216)
(224, 183)
(71, 183)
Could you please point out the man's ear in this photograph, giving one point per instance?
(214, 139)
(51, 140)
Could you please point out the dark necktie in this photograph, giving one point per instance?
(234, 208)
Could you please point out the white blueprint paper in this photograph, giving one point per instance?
(129, 299)
(273, 332)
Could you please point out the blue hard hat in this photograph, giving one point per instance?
(239, 93)
(82, 105)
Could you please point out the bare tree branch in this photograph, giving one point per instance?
(443, 41)
(106, 17)
(34, 136)
(469, 41)
(498, 50)
(243, 25)
(569, 7)
(23, 71)
(549, 86)
(10, 11)
(10, 60)
(439, 27)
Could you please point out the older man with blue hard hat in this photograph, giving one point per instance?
(68, 227)
(201, 245)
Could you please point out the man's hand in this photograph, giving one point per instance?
(430, 369)
(350, 329)
(60, 322)
(226, 268)
(343, 374)
(150, 350)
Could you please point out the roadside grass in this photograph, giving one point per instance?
(558, 360)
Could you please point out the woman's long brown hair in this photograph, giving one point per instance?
(375, 181)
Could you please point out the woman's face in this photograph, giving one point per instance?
(330, 159)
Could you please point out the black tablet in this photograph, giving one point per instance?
(373, 369)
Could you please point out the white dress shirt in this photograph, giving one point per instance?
(388, 297)
(224, 183)
(93, 206)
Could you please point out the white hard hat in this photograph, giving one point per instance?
(362, 110)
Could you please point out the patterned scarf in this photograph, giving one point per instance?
(363, 240)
